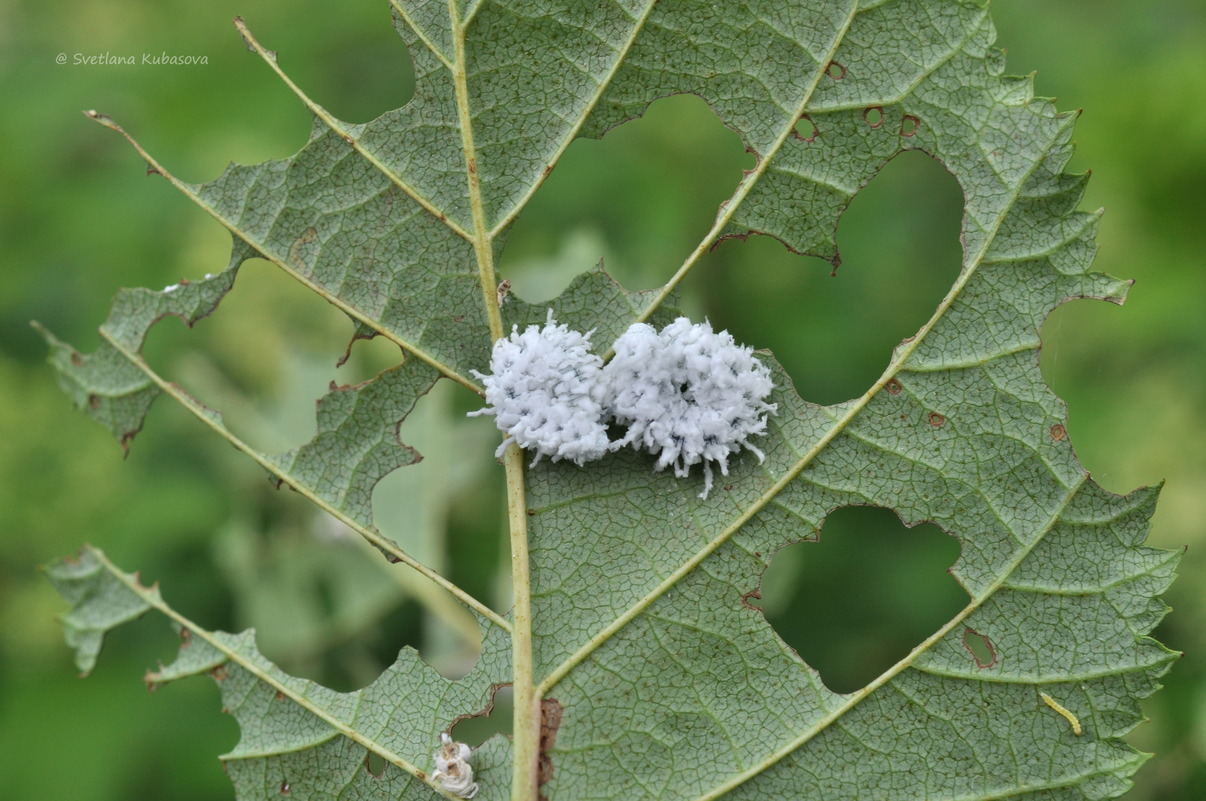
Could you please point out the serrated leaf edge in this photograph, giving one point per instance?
(153, 599)
(189, 191)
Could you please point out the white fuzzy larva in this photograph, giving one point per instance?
(540, 392)
(687, 394)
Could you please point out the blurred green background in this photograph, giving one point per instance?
(78, 219)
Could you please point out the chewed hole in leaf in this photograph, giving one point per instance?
(365, 356)
(805, 129)
(271, 340)
(494, 720)
(1076, 363)
(674, 166)
(899, 244)
(859, 599)
(308, 643)
(980, 647)
(375, 764)
(443, 506)
(325, 604)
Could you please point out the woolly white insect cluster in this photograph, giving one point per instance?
(687, 394)
(539, 391)
(452, 768)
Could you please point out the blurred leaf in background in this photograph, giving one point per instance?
(78, 219)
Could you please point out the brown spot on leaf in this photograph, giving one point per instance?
(909, 125)
(756, 595)
(77, 359)
(835, 70)
(219, 673)
(280, 696)
(893, 387)
(94, 401)
(874, 116)
(1058, 432)
(937, 420)
(285, 788)
(550, 722)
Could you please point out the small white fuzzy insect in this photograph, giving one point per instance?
(540, 393)
(687, 394)
(452, 768)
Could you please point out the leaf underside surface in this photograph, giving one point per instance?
(668, 684)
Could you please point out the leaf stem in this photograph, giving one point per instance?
(526, 721)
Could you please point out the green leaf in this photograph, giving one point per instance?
(291, 727)
(630, 628)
